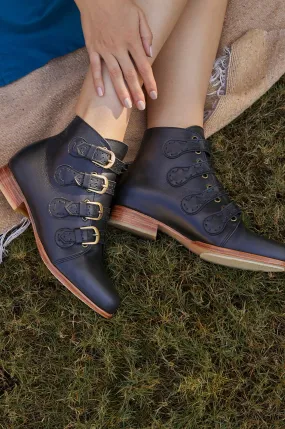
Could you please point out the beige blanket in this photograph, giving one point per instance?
(250, 60)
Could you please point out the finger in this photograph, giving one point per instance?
(96, 67)
(145, 70)
(118, 81)
(132, 79)
(145, 33)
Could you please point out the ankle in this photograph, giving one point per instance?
(105, 114)
(177, 122)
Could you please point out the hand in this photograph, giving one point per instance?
(117, 32)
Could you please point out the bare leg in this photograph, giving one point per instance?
(171, 186)
(183, 68)
(106, 114)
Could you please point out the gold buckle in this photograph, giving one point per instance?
(100, 215)
(96, 235)
(105, 186)
(112, 159)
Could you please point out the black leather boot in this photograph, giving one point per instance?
(66, 183)
(172, 187)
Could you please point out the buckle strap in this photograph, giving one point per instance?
(175, 148)
(86, 236)
(61, 208)
(192, 204)
(216, 223)
(93, 182)
(101, 156)
(178, 176)
(97, 183)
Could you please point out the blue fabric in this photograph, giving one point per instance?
(32, 32)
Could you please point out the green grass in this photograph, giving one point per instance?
(193, 345)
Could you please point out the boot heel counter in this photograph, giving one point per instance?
(20, 158)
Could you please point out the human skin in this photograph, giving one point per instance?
(186, 35)
(117, 32)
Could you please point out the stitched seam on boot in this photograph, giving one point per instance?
(226, 239)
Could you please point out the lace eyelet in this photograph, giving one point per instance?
(198, 152)
(194, 138)
(234, 219)
(218, 200)
(209, 186)
(199, 160)
(205, 176)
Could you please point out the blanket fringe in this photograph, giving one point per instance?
(9, 236)
(218, 80)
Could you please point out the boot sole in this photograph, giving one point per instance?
(16, 199)
(147, 227)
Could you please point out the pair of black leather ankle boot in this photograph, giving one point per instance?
(66, 184)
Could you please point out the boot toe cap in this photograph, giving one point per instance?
(90, 277)
(247, 241)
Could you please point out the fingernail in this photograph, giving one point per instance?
(153, 95)
(100, 91)
(141, 105)
(128, 103)
(150, 51)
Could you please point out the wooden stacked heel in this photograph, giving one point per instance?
(135, 222)
(11, 191)
(147, 227)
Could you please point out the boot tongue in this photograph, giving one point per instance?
(120, 149)
(197, 130)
